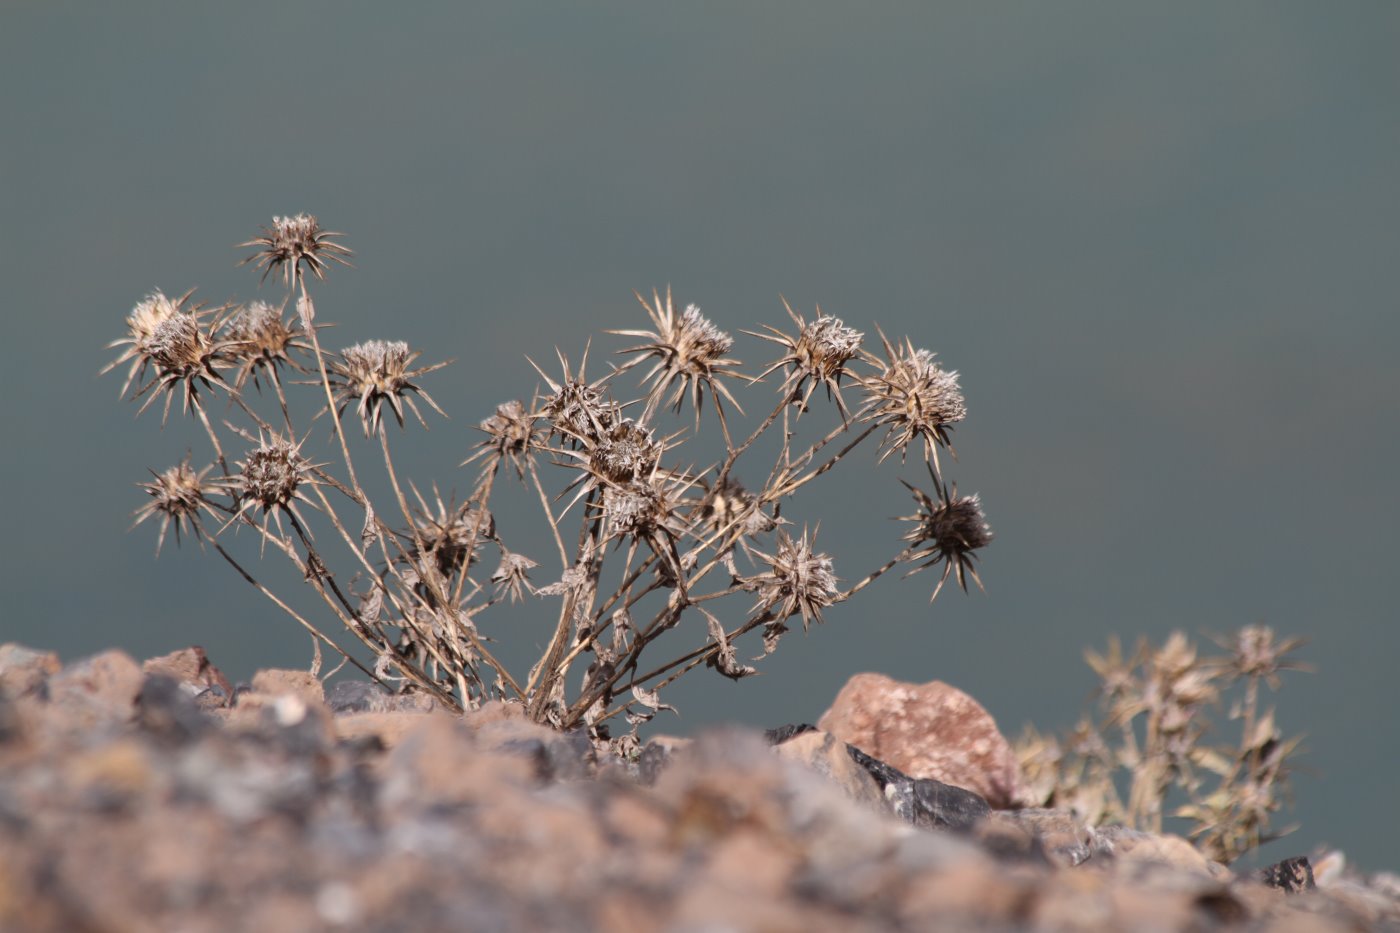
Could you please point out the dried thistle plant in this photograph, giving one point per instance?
(654, 542)
(1152, 739)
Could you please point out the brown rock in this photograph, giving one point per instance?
(439, 760)
(189, 666)
(930, 730)
(827, 755)
(1063, 836)
(1134, 848)
(277, 682)
(119, 770)
(388, 728)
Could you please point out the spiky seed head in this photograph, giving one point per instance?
(728, 505)
(704, 342)
(816, 355)
(141, 324)
(1257, 652)
(293, 242)
(915, 398)
(179, 344)
(579, 411)
(178, 495)
(272, 475)
(262, 340)
(512, 576)
(689, 353)
(1178, 681)
(948, 529)
(375, 372)
(624, 452)
(634, 508)
(798, 580)
(825, 346)
(453, 535)
(510, 434)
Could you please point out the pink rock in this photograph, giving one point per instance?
(23, 670)
(190, 666)
(100, 690)
(927, 730)
(827, 755)
(279, 682)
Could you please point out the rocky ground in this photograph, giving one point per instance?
(158, 796)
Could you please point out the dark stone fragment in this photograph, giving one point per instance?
(357, 696)
(1010, 843)
(166, 710)
(943, 806)
(651, 762)
(11, 728)
(1291, 875)
(781, 734)
(923, 802)
(305, 738)
(564, 756)
(211, 698)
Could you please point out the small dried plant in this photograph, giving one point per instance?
(1152, 740)
(656, 541)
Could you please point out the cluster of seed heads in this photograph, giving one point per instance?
(1152, 738)
(673, 526)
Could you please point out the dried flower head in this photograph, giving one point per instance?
(817, 355)
(624, 452)
(633, 509)
(797, 580)
(262, 341)
(649, 510)
(510, 435)
(576, 408)
(948, 529)
(511, 576)
(179, 345)
(729, 505)
(375, 372)
(450, 535)
(178, 495)
(689, 352)
(1257, 653)
(914, 397)
(292, 242)
(143, 321)
(273, 477)
(1177, 684)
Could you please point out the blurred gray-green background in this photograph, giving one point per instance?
(1160, 243)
